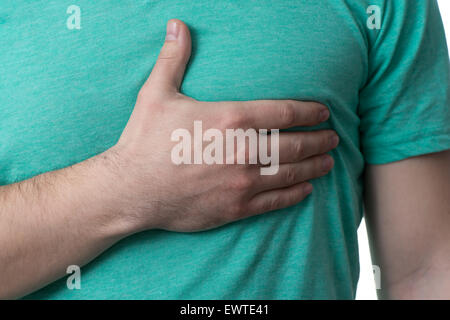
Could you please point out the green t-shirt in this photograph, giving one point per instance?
(66, 95)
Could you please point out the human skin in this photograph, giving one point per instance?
(408, 218)
(69, 216)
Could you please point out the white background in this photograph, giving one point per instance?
(366, 286)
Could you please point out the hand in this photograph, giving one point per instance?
(157, 193)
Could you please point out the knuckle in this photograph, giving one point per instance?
(243, 182)
(169, 51)
(233, 119)
(166, 56)
(298, 148)
(290, 175)
(287, 114)
(272, 204)
(146, 96)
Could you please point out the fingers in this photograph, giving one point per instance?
(293, 146)
(168, 72)
(275, 114)
(278, 199)
(296, 146)
(295, 173)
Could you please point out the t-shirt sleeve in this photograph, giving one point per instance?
(405, 104)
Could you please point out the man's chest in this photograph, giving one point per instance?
(71, 74)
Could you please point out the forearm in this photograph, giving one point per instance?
(57, 219)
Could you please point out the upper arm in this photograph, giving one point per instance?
(408, 218)
(405, 130)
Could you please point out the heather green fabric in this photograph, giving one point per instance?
(66, 95)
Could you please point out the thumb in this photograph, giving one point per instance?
(168, 72)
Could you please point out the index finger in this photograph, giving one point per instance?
(279, 114)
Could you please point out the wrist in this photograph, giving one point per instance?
(119, 174)
(111, 193)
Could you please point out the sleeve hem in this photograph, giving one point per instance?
(433, 141)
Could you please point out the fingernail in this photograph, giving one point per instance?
(307, 188)
(334, 141)
(324, 114)
(172, 31)
(327, 162)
